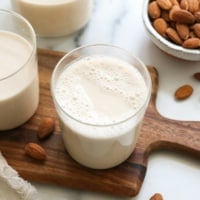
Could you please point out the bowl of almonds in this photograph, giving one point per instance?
(174, 26)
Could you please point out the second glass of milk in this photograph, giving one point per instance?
(101, 93)
(53, 18)
(19, 85)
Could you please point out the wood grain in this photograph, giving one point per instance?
(124, 180)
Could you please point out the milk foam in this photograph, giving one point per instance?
(101, 90)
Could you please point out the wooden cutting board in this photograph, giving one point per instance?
(126, 179)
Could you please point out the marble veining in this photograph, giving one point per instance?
(109, 21)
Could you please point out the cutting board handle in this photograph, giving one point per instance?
(160, 133)
(172, 134)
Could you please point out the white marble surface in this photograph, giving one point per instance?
(119, 22)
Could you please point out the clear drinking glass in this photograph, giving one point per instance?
(53, 18)
(91, 143)
(19, 85)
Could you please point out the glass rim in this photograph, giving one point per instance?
(16, 15)
(148, 85)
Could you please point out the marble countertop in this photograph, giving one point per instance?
(119, 22)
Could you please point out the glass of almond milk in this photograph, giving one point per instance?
(53, 18)
(19, 88)
(101, 93)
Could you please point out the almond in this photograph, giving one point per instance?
(175, 7)
(193, 5)
(192, 43)
(184, 4)
(35, 151)
(154, 10)
(156, 196)
(183, 92)
(196, 29)
(173, 35)
(160, 26)
(177, 20)
(182, 16)
(183, 31)
(197, 76)
(165, 4)
(46, 128)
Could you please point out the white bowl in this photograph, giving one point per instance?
(165, 45)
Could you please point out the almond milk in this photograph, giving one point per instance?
(101, 101)
(54, 17)
(18, 80)
(100, 90)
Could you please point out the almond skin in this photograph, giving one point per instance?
(160, 26)
(184, 4)
(175, 7)
(165, 4)
(182, 16)
(196, 29)
(173, 35)
(197, 16)
(192, 43)
(46, 128)
(154, 10)
(35, 151)
(193, 5)
(174, 2)
(156, 196)
(183, 92)
(197, 76)
(190, 5)
(183, 31)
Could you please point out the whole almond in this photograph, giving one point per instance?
(46, 128)
(173, 35)
(156, 196)
(165, 4)
(193, 5)
(154, 10)
(196, 29)
(183, 31)
(175, 7)
(160, 26)
(35, 151)
(192, 43)
(182, 16)
(183, 92)
(197, 76)
(184, 4)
